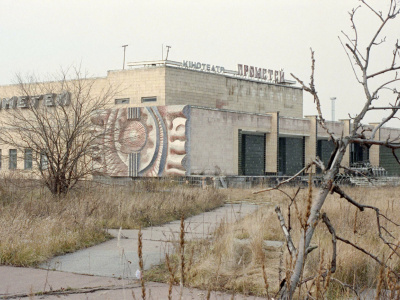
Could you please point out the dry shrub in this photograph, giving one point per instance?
(34, 225)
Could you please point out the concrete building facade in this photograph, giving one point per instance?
(171, 119)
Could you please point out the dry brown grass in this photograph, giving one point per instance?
(233, 259)
(153, 203)
(34, 225)
(353, 267)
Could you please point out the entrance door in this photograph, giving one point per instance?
(253, 154)
(291, 155)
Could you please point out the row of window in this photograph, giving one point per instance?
(28, 159)
(143, 99)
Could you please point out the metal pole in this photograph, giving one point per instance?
(167, 52)
(333, 108)
(123, 64)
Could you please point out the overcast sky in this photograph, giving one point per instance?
(41, 37)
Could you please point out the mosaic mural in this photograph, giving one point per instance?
(142, 141)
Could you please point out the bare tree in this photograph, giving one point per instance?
(50, 123)
(375, 82)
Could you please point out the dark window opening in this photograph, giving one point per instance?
(359, 154)
(13, 159)
(149, 99)
(122, 101)
(28, 159)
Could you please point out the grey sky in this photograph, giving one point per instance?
(42, 36)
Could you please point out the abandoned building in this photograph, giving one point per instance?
(190, 118)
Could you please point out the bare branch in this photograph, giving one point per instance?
(285, 181)
(383, 71)
(289, 242)
(374, 257)
(351, 62)
(378, 14)
(361, 207)
(384, 121)
(319, 163)
(311, 89)
(328, 224)
(342, 194)
(386, 143)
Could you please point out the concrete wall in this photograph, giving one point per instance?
(388, 133)
(214, 138)
(296, 127)
(178, 86)
(220, 91)
(334, 126)
(272, 145)
(132, 84)
(137, 83)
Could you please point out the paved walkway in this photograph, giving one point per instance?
(23, 283)
(119, 258)
(112, 265)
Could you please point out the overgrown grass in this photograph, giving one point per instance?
(353, 267)
(233, 259)
(35, 226)
(152, 203)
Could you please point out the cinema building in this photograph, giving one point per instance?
(190, 118)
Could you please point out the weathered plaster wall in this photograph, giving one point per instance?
(334, 126)
(214, 138)
(294, 126)
(219, 91)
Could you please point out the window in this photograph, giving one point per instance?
(149, 99)
(44, 161)
(122, 101)
(28, 159)
(12, 159)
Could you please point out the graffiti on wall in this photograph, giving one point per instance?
(142, 141)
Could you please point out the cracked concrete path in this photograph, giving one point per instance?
(29, 283)
(118, 257)
(107, 271)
